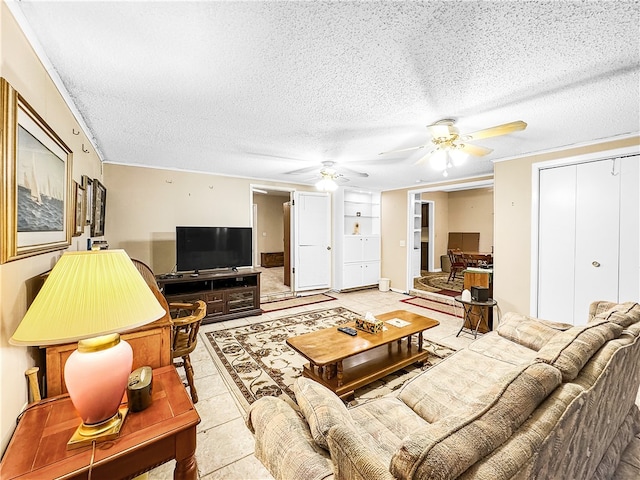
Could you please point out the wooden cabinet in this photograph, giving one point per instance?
(272, 259)
(151, 345)
(227, 294)
(481, 279)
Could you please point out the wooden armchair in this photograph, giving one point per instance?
(458, 263)
(186, 318)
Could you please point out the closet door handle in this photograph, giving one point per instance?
(595, 264)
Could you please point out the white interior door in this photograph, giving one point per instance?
(556, 244)
(312, 241)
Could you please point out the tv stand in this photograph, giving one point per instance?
(228, 294)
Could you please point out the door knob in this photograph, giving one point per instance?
(329, 248)
(595, 264)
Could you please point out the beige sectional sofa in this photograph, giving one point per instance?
(533, 399)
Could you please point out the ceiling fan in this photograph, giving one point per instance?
(330, 174)
(447, 144)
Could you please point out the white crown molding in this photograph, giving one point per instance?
(569, 147)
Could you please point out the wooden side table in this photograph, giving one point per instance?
(164, 431)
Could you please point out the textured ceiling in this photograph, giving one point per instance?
(261, 88)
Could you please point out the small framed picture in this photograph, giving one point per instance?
(99, 208)
(87, 184)
(80, 205)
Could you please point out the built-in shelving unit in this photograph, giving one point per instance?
(356, 238)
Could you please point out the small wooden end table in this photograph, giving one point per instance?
(165, 430)
(343, 363)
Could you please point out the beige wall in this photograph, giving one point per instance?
(270, 224)
(472, 211)
(22, 69)
(144, 206)
(513, 203)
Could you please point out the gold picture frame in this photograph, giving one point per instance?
(79, 211)
(37, 214)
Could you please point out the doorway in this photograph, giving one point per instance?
(435, 242)
(272, 239)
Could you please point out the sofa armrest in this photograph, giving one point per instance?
(530, 332)
(284, 444)
(352, 460)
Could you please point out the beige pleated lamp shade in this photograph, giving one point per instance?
(88, 293)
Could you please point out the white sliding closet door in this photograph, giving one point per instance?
(588, 237)
(597, 236)
(556, 244)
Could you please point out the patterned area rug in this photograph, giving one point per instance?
(255, 360)
(295, 302)
(437, 282)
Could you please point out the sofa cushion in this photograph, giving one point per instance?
(384, 423)
(283, 442)
(533, 333)
(623, 314)
(570, 350)
(446, 448)
(321, 407)
(496, 347)
(451, 385)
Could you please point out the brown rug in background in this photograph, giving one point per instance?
(295, 302)
(436, 305)
(437, 282)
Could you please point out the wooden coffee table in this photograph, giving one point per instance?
(343, 363)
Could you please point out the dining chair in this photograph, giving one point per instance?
(186, 319)
(458, 263)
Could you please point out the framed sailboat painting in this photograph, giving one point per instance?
(38, 216)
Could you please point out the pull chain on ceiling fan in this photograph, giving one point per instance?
(448, 148)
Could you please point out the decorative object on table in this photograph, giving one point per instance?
(356, 229)
(79, 213)
(369, 323)
(139, 389)
(466, 295)
(89, 297)
(99, 208)
(36, 185)
(479, 294)
(100, 245)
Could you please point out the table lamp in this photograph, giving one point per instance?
(89, 297)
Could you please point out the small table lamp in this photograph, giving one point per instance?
(89, 297)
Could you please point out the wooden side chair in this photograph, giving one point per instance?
(458, 263)
(186, 319)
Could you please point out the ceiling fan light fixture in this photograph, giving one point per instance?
(458, 157)
(439, 159)
(326, 184)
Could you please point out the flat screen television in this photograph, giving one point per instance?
(207, 248)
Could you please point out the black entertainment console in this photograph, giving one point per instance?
(228, 294)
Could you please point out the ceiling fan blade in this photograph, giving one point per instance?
(403, 149)
(351, 172)
(496, 131)
(475, 150)
(425, 157)
(300, 171)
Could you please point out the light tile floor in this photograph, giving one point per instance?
(225, 447)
